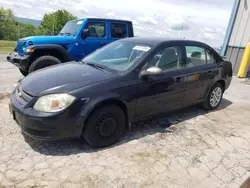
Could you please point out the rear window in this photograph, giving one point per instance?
(118, 30)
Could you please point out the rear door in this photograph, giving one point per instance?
(201, 69)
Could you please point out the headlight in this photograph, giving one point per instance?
(29, 50)
(53, 102)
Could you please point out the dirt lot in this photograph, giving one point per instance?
(199, 149)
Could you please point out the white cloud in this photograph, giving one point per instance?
(209, 30)
(147, 20)
(81, 9)
(204, 20)
(48, 9)
(110, 15)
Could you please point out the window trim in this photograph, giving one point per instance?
(105, 32)
(110, 24)
(213, 55)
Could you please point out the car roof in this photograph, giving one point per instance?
(103, 19)
(158, 40)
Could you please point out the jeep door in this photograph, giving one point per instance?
(96, 38)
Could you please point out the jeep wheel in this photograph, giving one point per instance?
(24, 73)
(43, 62)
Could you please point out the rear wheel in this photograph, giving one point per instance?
(105, 126)
(24, 73)
(214, 97)
(42, 62)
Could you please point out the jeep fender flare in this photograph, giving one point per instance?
(55, 50)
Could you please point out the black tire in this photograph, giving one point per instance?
(24, 73)
(105, 126)
(42, 62)
(207, 103)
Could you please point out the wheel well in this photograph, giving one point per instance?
(51, 52)
(223, 83)
(116, 102)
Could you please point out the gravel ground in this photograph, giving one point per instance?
(199, 149)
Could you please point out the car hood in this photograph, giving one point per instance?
(63, 78)
(49, 39)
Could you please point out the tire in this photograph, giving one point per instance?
(24, 73)
(105, 126)
(42, 62)
(208, 104)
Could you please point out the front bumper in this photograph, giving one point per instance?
(20, 61)
(45, 126)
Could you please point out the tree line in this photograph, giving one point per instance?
(51, 24)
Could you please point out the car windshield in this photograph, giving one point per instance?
(71, 28)
(118, 56)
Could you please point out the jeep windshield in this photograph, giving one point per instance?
(71, 28)
(117, 56)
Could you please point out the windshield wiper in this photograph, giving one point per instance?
(95, 65)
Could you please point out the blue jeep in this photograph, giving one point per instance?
(77, 39)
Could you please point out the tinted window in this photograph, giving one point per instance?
(118, 30)
(195, 56)
(167, 59)
(96, 29)
(210, 57)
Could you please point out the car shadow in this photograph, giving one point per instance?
(167, 123)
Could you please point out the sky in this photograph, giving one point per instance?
(203, 20)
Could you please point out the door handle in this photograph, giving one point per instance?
(178, 79)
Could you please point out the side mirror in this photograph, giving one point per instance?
(151, 71)
(85, 33)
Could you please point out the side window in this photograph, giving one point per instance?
(167, 59)
(210, 57)
(118, 30)
(195, 56)
(96, 29)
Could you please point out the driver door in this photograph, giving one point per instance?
(162, 93)
(96, 39)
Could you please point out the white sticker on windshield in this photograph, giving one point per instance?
(142, 48)
(79, 22)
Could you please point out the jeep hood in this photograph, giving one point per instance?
(62, 78)
(49, 39)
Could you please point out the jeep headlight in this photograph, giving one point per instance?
(53, 102)
(29, 50)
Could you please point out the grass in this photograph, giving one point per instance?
(7, 46)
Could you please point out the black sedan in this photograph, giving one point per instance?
(126, 81)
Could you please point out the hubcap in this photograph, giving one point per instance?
(106, 126)
(215, 96)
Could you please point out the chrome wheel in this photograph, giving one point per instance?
(215, 96)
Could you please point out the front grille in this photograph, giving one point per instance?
(19, 47)
(22, 96)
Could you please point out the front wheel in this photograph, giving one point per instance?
(214, 97)
(105, 126)
(42, 62)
